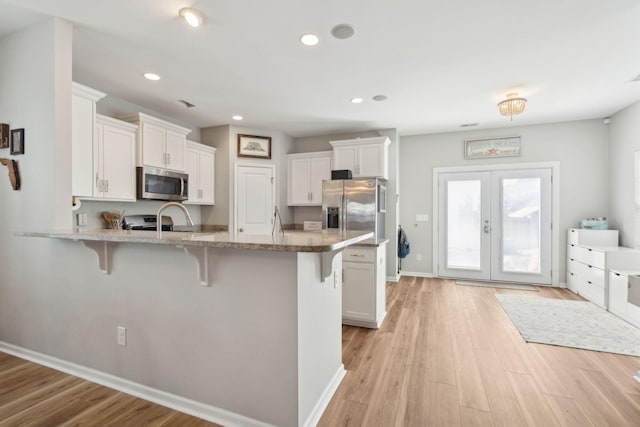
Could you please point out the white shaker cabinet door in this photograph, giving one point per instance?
(153, 145)
(346, 158)
(192, 160)
(299, 173)
(320, 170)
(175, 143)
(118, 163)
(357, 290)
(207, 177)
(371, 160)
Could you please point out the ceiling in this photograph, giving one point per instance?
(441, 64)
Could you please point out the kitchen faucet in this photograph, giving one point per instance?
(168, 205)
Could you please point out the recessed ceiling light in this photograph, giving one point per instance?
(236, 117)
(356, 100)
(192, 16)
(380, 98)
(343, 31)
(151, 76)
(309, 39)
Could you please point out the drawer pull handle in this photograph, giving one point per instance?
(357, 256)
(617, 274)
(589, 282)
(589, 250)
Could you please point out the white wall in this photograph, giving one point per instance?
(218, 137)
(581, 148)
(624, 141)
(225, 139)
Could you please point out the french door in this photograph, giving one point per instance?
(495, 225)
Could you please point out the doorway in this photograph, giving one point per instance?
(255, 198)
(495, 225)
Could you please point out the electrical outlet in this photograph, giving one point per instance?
(418, 257)
(81, 219)
(122, 336)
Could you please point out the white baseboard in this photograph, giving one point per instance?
(191, 407)
(395, 278)
(325, 398)
(416, 274)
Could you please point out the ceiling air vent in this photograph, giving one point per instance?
(186, 103)
(469, 125)
(636, 78)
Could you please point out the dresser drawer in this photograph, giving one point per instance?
(572, 266)
(590, 274)
(587, 256)
(359, 255)
(592, 292)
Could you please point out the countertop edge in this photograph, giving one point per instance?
(118, 237)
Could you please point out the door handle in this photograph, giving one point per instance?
(240, 230)
(486, 229)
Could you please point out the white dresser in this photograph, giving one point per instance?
(619, 301)
(590, 256)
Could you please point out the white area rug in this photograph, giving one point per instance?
(575, 324)
(518, 286)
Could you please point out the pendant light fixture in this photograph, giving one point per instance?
(512, 106)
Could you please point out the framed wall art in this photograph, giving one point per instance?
(17, 141)
(258, 147)
(4, 135)
(492, 147)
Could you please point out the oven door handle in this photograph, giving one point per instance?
(181, 187)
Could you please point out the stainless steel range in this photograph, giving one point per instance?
(146, 222)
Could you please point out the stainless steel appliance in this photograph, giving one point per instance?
(355, 204)
(146, 222)
(161, 184)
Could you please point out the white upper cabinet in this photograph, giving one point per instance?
(200, 161)
(115, 160)
(305, 173)
(83, 126)
(365, 157)
(160, 143)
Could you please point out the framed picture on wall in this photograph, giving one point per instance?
(258, 147)
(17, 141)
(4, 135)
(492, 147)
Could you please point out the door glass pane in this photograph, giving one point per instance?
(521, 225)
(463, 224)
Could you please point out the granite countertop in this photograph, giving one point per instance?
(290, 241)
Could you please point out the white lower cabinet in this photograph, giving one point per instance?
(200, 163)
(363, 286)
(618, 297)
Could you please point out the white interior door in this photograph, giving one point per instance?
(496, 225)
(255, 198)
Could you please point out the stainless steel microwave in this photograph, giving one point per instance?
(161, 184)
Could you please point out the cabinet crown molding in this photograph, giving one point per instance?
(199, 146)
(310, 155)
(361, 141)
(86, 92)
(137, 118)
(106, 120)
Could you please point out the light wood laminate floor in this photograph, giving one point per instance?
(446, 355)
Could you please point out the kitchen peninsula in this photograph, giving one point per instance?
(261, 345)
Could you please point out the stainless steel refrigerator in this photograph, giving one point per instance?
(355, 205)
